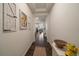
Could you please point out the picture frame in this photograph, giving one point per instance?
(9, 17)
(23, 20)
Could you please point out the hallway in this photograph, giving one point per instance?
(30, 29)
(40, 48)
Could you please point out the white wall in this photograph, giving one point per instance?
(16, 43)
(48, 27)
(63, 23)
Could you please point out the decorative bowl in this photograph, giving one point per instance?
(60, 43)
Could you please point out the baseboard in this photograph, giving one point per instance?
(50, 43)
(26, 50)
(24, 53)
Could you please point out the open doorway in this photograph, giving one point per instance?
(40, 34)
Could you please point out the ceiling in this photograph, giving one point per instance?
(40, 10)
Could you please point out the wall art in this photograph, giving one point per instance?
(23, 20)
(9, 17)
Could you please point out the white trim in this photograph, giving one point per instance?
(25, 52)
(27, 49)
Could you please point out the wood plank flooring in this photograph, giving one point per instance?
(46, 48)
(40, 48)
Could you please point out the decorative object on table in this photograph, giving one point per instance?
(23, 20)
(9, 17)
(71, 50)
(60, 43)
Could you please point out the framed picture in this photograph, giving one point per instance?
(9, 17)
(23, 20)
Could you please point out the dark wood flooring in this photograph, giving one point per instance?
(41, 43)
(45, 44)
(31, 50)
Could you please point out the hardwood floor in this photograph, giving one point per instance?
(46, 45)
(44, 48)
(39, 51)
(31, 50)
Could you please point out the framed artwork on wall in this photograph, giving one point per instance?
(9, 17)
(23, 20)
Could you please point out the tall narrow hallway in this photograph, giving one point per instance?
(39, 29)
(40, 48)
